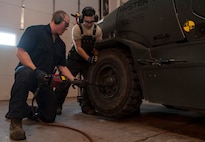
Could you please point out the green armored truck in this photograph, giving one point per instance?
(151, 50)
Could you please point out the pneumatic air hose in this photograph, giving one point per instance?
(56, 124)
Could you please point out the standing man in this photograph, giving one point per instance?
(39, 51)
(82, 54)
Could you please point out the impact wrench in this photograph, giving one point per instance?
(54, 81)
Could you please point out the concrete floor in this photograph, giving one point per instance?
(156, 124)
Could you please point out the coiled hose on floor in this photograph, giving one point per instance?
(57, 124)
(67, 127)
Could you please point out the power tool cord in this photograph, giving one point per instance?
(57, 124)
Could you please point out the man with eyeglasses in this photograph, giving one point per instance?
(39, 51)
(82, 54)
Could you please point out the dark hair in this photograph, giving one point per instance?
(88, 11)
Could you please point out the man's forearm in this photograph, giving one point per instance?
(65, 71)
(24, 58)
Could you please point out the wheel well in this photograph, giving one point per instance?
(136, 50)
(112, 43)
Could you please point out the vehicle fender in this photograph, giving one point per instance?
(136, 49)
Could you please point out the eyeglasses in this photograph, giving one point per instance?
(89, 22)
(66, 24)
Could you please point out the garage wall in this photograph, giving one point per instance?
(10, 22)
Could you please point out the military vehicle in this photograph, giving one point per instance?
(152, 50)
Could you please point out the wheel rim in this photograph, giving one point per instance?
(109, 79)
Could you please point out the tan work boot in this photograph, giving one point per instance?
(16, 130)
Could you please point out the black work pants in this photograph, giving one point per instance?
(26, 81)
(76, 65)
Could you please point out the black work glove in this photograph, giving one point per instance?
(93, 59)
(41, 76)
(79, 83)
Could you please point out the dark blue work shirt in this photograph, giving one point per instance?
(45, 53)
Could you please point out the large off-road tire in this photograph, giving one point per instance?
(118, 92)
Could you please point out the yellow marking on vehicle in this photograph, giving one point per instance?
(189, 25)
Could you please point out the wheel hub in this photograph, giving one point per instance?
(109, 81)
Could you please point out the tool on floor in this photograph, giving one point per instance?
(55, 80)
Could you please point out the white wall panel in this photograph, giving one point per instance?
(33, 17)
(11, 2)
(38, 12)
(10, 22)
(9, 15)
(43, 6)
